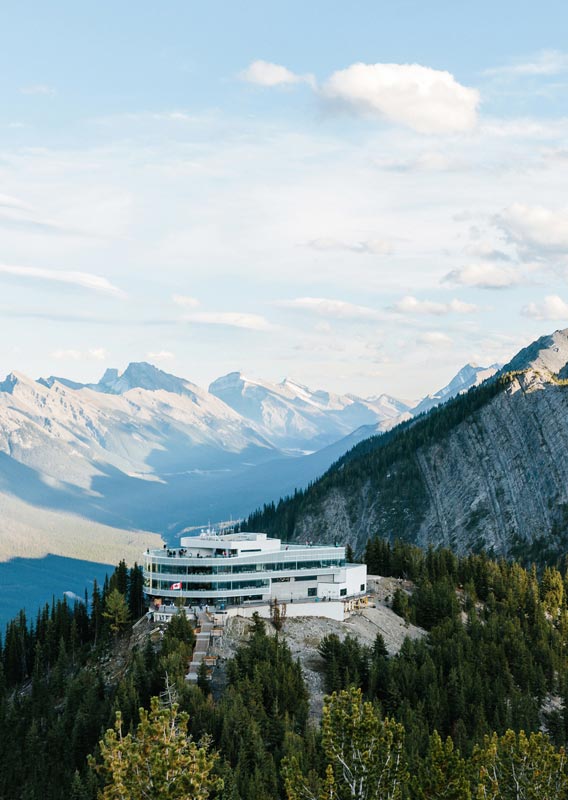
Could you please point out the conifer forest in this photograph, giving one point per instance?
(477, 708)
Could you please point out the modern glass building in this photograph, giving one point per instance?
(229, 569)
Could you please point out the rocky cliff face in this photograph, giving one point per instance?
(490, 470)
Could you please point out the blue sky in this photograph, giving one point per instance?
(361, 197)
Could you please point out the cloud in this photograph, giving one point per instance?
(185, 301)
(265, 73)
(424, 99)
(535, 230)
(338, 309)
(547, 62)
(161, 355)
(435, 339)
(67, 355)
(93, 354)
(98, 353)
(232, 319)
(377, 247)
(7, 201)
(86, 280)
(551, 308)
(38, 88)
(410, 305)
(427, 100)
(484, 275)
(423, 162)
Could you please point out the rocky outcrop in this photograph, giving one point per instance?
(497, 480)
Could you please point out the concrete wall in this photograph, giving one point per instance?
(347, 583)
(355, 577)
(330, 610)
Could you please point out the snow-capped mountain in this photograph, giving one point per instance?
(143, 422)
(294, 416)
(468, 376)
(146, 450)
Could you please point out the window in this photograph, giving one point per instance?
(342, 592)
(306, 578)
(280, 580)
(362, 587)
(312, 591)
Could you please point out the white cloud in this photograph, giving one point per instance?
(338, 309)
(160, 355)
(424, 99)
(185, 301)
(84, 279)
(67, 355)
(93, 354)
(7, 201)
(547, 62)
(233, 319)
(430, 161)
(97, 353)
(435, 339)
(535, 230)
(411, 305)
(39, 88)
(484, 275)
(551, 308)
(377, 247)
(265, 73)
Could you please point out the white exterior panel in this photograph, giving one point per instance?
(234, 569)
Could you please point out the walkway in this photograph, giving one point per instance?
(202, 645)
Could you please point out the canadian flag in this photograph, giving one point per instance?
(175, 586)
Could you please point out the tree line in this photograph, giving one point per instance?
(464, 713)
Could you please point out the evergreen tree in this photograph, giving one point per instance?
(159, 761)
(136, 605)
(364, 754)
(443, 774)
(116, 611)
(520, 767)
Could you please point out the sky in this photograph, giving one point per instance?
(362, 197)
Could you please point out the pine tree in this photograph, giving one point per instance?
(159, 761)
(203, 678)
(442, 774)
(364, 754)
(136, 592)
(116, 611)
(520, 767)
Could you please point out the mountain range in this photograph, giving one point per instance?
(486, 470)
(146, 450)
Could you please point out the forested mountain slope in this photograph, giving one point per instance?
(487, 470)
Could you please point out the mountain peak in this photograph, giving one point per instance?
(549, 353)
(10, 382)
(232, 380)
(141, 375)
(15, 379)
(290, 383)
(469, 375)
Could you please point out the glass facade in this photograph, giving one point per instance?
(236, 568)
(178, 567)
(160, 586)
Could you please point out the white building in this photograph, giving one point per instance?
(233, 569)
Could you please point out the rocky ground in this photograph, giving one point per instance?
(304, 634)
